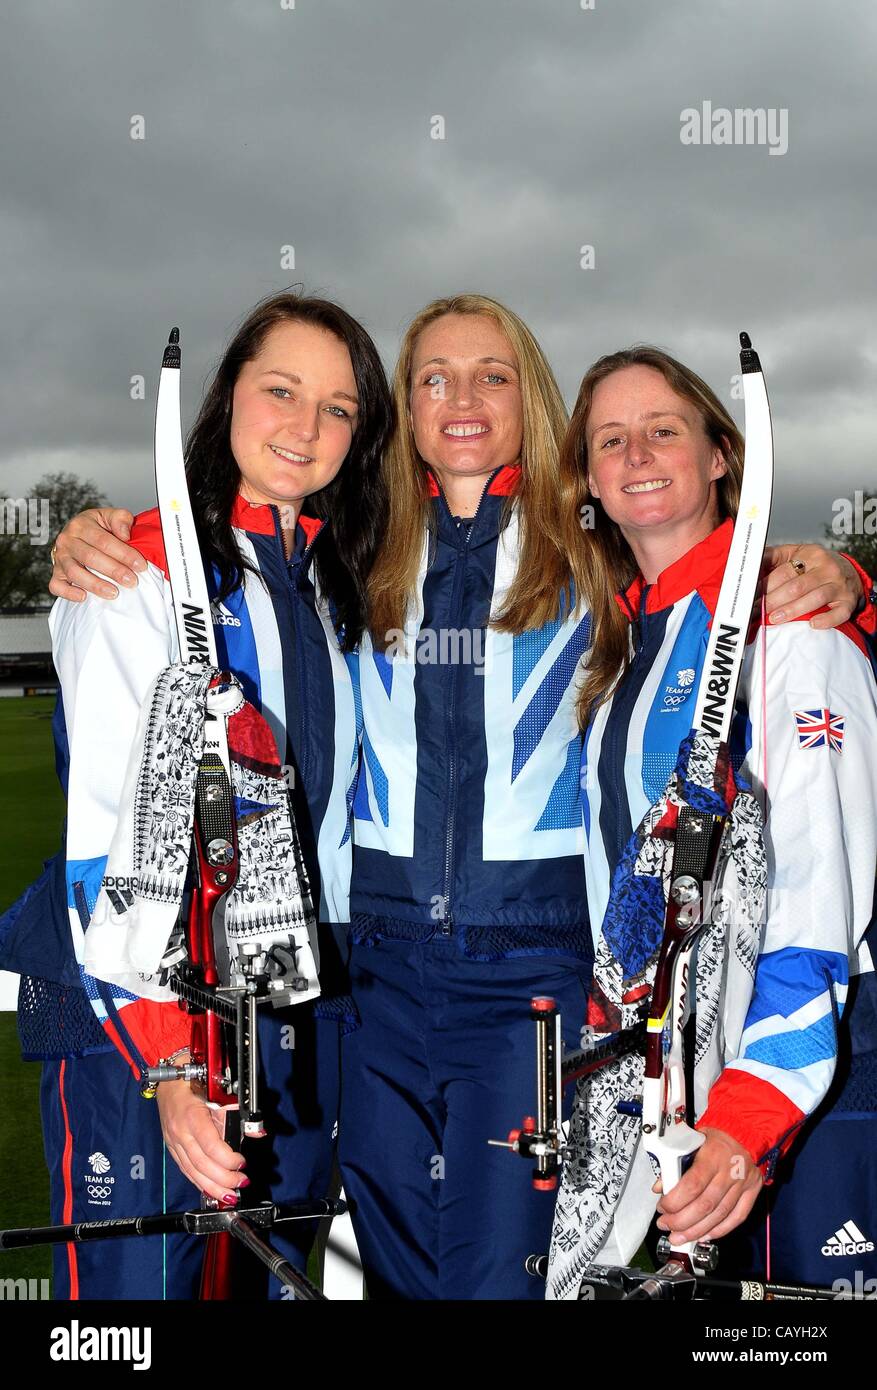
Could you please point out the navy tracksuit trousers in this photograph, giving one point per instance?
(106, 1158)
(445, 1060)
(822, 1212)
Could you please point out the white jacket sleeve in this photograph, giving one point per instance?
(107, 654)
(813, 711)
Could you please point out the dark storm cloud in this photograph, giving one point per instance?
(310, 127)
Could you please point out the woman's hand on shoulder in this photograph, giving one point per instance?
(827, 578)
(715, 1195)
(95, 540)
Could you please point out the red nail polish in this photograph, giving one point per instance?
(229, 1199)
(244, 1182)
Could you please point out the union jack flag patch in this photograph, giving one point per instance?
(818, 726)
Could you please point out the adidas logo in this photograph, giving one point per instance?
(847, 1241)
(222, 617)
(122, 896)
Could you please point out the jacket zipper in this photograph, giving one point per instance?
(447, 922)
(614, 751)
(447, 917)
(294, 569)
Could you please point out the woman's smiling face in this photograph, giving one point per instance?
(650, 461)
(293, 414)
(465, 398)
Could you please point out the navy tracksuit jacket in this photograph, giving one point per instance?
(467, 897)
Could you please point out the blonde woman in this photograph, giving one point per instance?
(468, 884)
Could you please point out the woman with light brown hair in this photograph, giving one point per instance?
(657, 460)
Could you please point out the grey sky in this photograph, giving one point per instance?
(311, 127)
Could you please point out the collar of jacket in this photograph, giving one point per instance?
(262, 520)
(489, 514)
(700, 568)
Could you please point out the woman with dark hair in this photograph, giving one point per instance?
(658, 460)
(284, 469)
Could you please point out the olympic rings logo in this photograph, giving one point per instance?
(94, 1191)
(673, 700)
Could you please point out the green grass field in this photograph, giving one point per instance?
(33, 807)
(33, 812)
